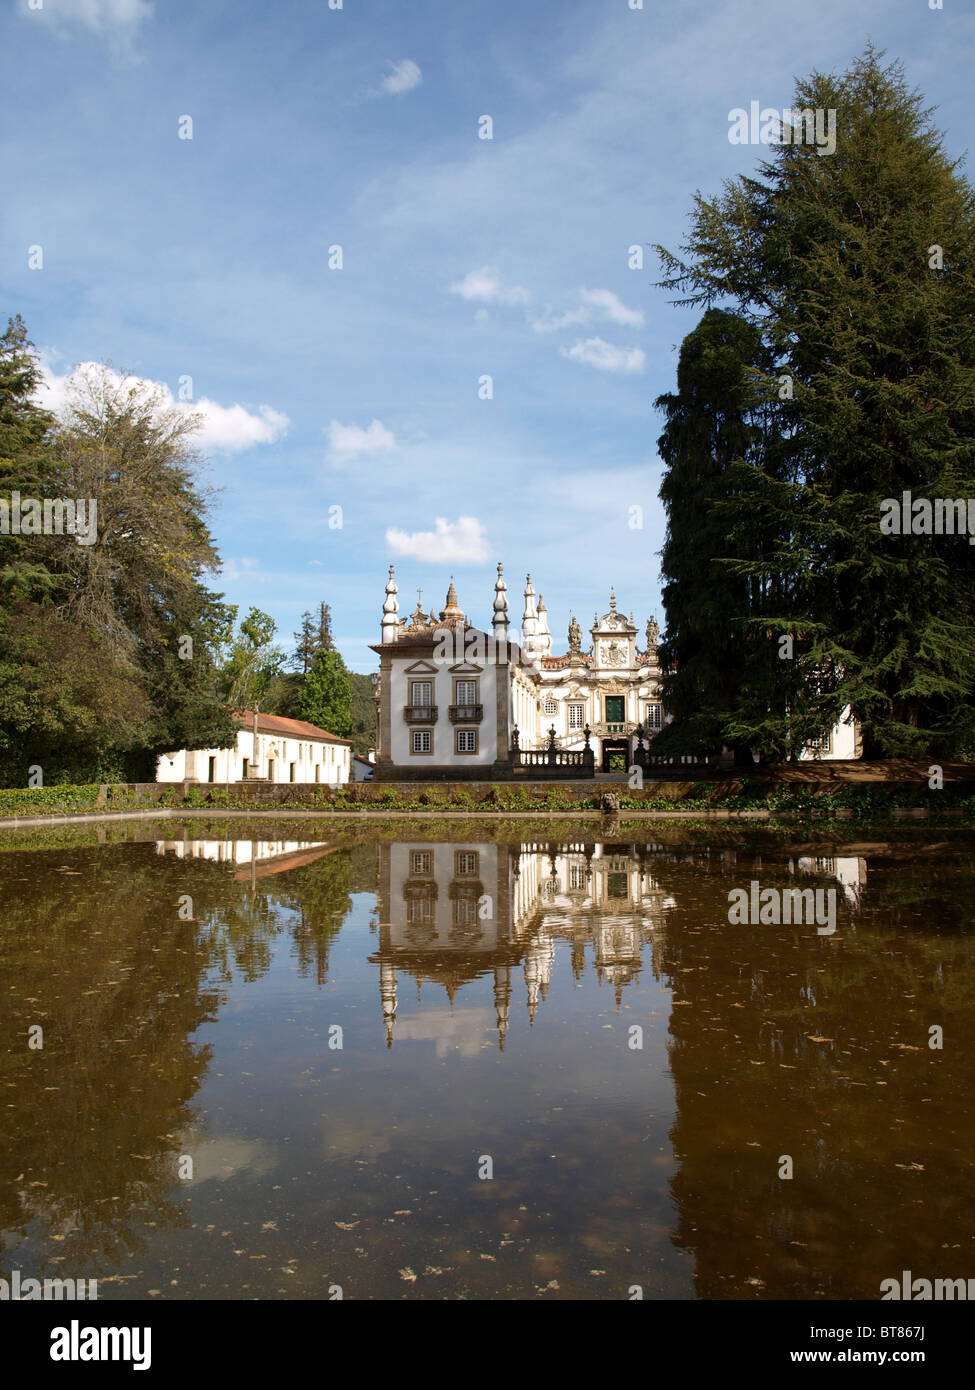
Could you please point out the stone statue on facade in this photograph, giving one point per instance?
(653, 635)
(575, 637)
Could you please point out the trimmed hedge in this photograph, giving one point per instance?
(849, 801)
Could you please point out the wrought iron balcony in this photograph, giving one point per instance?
(420, 714)
(465, 714)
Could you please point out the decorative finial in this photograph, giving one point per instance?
(612, 599)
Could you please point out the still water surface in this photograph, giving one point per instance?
(464, 1068)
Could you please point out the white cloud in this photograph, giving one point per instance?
(605, 356)
(612, 306)
(554, 323)
(460, 542)
(594, 304)
(484, 287)
(232, 427)
(347, 442)
(243, 567)
(404, 77)
(228, 428)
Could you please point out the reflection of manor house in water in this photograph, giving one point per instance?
(263, 857)
(452, 913)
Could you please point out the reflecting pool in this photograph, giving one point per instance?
(311, 1063)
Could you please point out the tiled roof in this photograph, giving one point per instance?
(556, 663)
(293, 728)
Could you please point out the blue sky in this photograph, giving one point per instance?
(357, 387)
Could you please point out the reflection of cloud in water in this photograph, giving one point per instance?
(228, 1157)
(453, 1030)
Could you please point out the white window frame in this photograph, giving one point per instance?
(465, 734)
(418, 735)
(460, 684)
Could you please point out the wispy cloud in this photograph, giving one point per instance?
(404, 77)
(593, 304)
(606, 357)
(348, 442)
(460, 542)
(115, 20)
(243, 567)
(485, 286)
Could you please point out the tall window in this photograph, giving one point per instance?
(577, 716)
(655, 716)
(419, 911)
(465, 912)
(465, 863)
(422, 741)
(465, 693)
(421, 693)
(466, 740)
(421, 861)
(615, 709)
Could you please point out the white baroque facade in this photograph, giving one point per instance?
(456, 701)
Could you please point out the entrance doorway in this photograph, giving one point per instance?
(616, 755)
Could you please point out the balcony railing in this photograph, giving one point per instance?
(420, 714)
(614, 730)
(465, 714)
(554, 757)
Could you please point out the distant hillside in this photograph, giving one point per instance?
(363, 710)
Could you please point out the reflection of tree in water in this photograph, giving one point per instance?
(319, 895)
(238, 933)
(93, 944)
(785, 1042)
(95, 952)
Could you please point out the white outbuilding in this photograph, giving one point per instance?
(269, 748)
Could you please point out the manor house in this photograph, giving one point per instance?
(457, 701)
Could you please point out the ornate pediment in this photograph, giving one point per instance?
(421, 668)
(612, 622)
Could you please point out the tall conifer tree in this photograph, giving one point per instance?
(856, 268)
